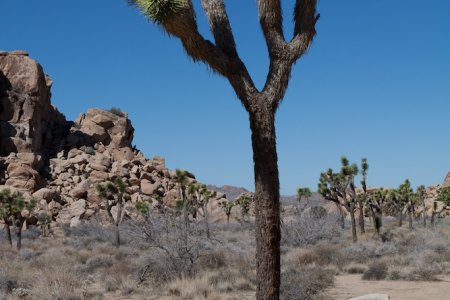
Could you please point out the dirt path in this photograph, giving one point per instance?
(347, 286)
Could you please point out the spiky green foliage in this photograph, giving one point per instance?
(142, 207)
(244, 202)
(160, 11)
(12, 206)
(444, 195)
(303, 192)
(112, 194)
(227, 207)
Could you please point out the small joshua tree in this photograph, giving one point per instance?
(362, 199)
(303, 192)
(43, 221)
(421, 194)
(182, 180)
(112, 194)
(14, 211)
(227, 206)
(376, 202)
(340, 189)
(405, 193)
(444, 197)
(244, 202)
(203, 197)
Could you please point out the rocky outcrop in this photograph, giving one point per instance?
(59, 162)
(446, 181)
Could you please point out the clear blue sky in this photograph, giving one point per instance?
(375, 84)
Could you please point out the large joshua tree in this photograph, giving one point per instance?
(177, 18)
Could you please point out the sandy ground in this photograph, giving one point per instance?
(348, 286)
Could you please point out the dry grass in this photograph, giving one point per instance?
(85, 265)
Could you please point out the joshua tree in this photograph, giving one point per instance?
(182, 181)
(14, 211)
(405, 193)
(244, 202)
(112, 194)
(444, 197)
(340, 189)
(227, 206)
(363, 198)
(421, 194)
(199, 199)
(203, 200)
(178, 18)
(376, 202)
(303, 193)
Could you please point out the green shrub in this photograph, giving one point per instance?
(376, 271)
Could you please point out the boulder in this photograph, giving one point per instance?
(149, 188)
(47, 194)
(446, 181)
(81, 189)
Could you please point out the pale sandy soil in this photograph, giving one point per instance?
(347, 286)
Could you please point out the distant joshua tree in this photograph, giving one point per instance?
(377, 201)
(362, 199)
(227, 206)
(14, 211)
(340, 189)
(112, 194)
(303, 192)
(182, 181)
(178, 19)
(421, 195)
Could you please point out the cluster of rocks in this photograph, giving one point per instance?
(59, 162)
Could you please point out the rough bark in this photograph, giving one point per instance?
(410, 217)
(19, 236)
(400, 218)
(361, 216)
(341, 215)
(267, 198)
(8, 232)
(353, 219)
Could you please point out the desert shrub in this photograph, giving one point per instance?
(7, 283)
(318, 212)
(117, 111)
(211, 261)
(376, 271)
(321, 255)
(99, 261)
(304, 283)
(309, 231)
(31, 233)
(56, 283)
(180, 247)
(364, 250)
(355, 269)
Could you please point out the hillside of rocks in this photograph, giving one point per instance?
(58, 162)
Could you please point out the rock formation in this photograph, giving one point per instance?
(59, 162)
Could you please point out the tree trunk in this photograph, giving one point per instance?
(267, 208)
(341, 215)
(410, 217)
(361, 217)
(400, 218)
(353, 219)
(433, 214)
(228, 218)
(19, 236)
(8, 232)
(424, 214)
(208, 234)
(118, 220)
